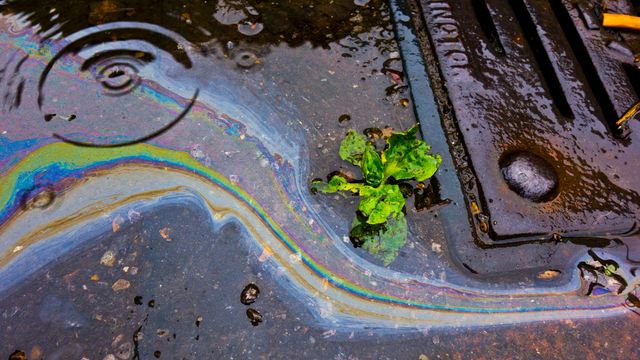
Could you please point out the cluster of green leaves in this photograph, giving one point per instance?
(380, 226)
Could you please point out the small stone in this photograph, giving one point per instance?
(108, 258)
(124, 351)
(249, 294)
(164, 232)
(548, 274)
(18, 355)
(43, 199)
(109, 357)
(36, 352)
(254, 316)
(116, 223)
(134, 216)
(121, 284)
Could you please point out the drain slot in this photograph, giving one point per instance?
(550, 78)
(483, 14)
(588, 68)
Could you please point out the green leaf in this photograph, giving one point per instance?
(372, 165)
(335, 184)
(352, 147)
(407, 157)
(382, 241)
(610, 269)
(378, 204)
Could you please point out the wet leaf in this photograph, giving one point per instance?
(372, 165)
(352, 147)
(610, 269)
(382, 240)
(377, 204)
(380, 226)
(407, 157)
(335, 184)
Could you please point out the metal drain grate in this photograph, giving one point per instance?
(536, 88)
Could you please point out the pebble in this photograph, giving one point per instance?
(18, 355)
(249, 294)
(254, 316)
(121, 284)
(108, 258)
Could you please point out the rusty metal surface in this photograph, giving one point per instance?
(532, 76)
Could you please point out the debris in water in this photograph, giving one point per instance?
(121, 284)
(250, 28)
(246, 59)
(164, 232)
(254, 316)
(36, 352)
(548, 274)
(115, 224)
(373, 133)
(134, 216)
(41, 200)
(18, 355)
(249, 294)
(344, 118)
(108, 258)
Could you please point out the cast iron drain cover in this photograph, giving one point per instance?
(541, 79)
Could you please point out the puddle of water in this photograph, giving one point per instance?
(112, 110)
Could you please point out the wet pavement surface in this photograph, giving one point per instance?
(156, 158)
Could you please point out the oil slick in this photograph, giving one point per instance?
(350, 299)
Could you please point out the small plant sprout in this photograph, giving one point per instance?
(380, 226)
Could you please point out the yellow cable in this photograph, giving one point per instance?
(621, 21)
(629, 114)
